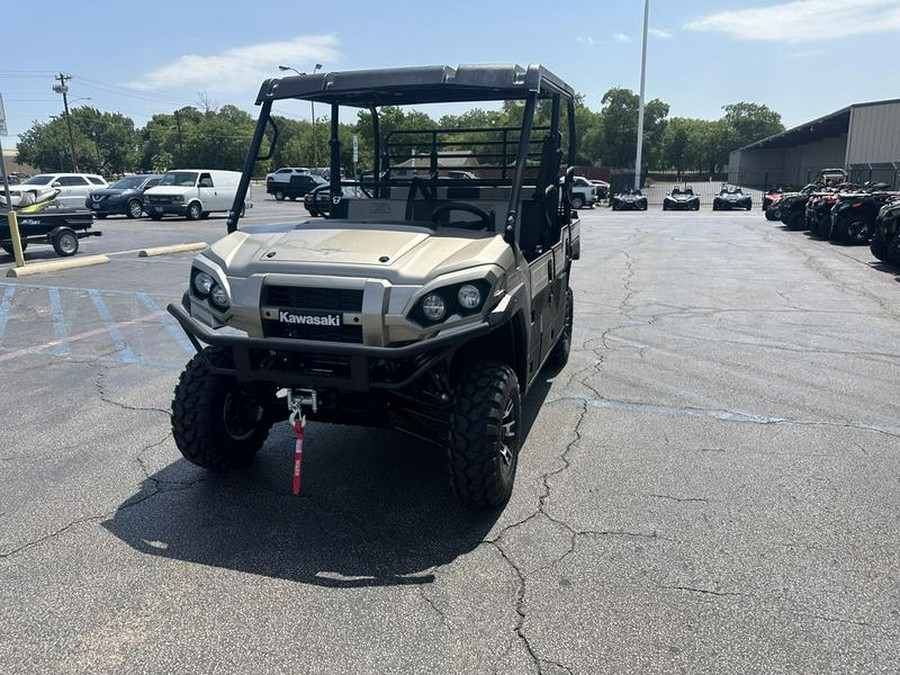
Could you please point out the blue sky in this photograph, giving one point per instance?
(802, 58)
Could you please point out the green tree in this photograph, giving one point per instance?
(746, 123)
(618, 121)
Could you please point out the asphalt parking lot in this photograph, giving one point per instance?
(710, 485)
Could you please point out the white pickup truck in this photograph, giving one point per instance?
(584, 193)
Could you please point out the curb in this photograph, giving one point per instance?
(176, 248)
(55, 265)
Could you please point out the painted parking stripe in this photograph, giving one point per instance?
(5, 306)
(112, 328)
(82, 336)
(176, 333)
(60, 330)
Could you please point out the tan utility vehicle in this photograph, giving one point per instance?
(429, 306)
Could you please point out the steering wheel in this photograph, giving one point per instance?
(486, 221)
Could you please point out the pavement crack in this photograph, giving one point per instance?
(437, 610)
(701, 500)
(52, 535)
(703, 591)
(832, 619)
(99, 383)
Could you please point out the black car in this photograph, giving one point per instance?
(681, 199)
(124, 197)
(630, 200)
(731, 197)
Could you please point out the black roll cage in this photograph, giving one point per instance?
(370, 89)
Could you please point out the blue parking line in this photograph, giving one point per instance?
(5, 306)
(60, 330)
(118, 339)
(177, 334)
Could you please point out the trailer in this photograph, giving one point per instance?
(60, 228)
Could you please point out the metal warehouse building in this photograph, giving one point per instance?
(863, 138)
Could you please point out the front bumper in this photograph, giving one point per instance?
(345, 367)
(165, 209)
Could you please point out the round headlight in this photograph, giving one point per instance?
(433, 307)
(469, 297)
(219, 297)
(203, 283)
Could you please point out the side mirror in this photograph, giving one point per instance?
(56, 184)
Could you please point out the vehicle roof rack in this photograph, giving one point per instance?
(417, 85)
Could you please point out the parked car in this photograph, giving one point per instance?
(629, 200)
(73, 187)
(193, 193)
(681, 199)
(124, 197)
(584, 193)
(297, 187)
(278, 182)
(318, 201)
(731, 197)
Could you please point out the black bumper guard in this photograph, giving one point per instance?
(436, 349)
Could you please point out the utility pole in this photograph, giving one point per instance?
(61, 88)
(640, 130)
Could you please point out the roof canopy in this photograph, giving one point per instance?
(417, 85)
(819, 129)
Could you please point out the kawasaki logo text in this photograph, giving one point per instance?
(309, 319)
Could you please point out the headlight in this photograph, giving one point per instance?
(433, 307)
(219, 297)
(469, 297)
(203, 283)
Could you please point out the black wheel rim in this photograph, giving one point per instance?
(241, 414)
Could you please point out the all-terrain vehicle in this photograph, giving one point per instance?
(429, 307)
(731, 197)
(629, 200)
(853, 216)
(885, 243)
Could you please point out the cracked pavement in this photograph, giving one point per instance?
(710, 485)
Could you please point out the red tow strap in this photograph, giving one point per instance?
(298, 422)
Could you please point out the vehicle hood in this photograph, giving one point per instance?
(681, 198)
(113, 192)
(169, 190)
(732, 196)
(398, 253)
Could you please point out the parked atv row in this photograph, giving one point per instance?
(844, 213)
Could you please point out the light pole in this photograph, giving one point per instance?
(312, 112)
(640, 130)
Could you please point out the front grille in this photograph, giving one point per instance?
(304, 298)
(162, 199)
(343, 333)
(325, 299)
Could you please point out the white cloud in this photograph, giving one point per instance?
(804, 20)
(237, 68)
(657, 32)
(589, 41)
(621, 37)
